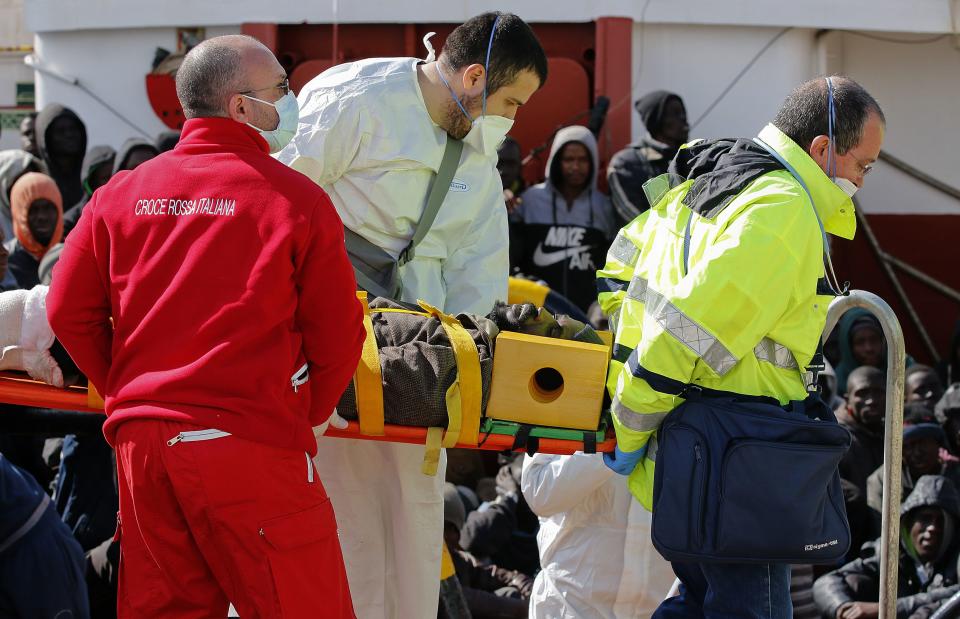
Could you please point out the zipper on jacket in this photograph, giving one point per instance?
(302, 375)
(197, 435)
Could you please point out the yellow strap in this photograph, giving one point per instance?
(526, 291)
(467, 389)
(446, 564)
(368, 383)
(94, 399)
(431, 458)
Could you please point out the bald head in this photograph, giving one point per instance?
(218, 68)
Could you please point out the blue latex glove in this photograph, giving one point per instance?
(623, 462)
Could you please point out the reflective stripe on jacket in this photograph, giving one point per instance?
(745, 315)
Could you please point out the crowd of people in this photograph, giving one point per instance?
(44, 187)
(541, 535)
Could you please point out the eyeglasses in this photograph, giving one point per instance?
(865, 168)
(283, 86)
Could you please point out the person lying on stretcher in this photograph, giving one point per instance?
(417, 362)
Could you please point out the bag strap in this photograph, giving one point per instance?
(438, 191)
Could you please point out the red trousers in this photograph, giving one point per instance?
(213, 518)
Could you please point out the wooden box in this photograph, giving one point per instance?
(548, 382)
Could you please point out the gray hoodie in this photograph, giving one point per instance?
(13, 165)
(590, 206)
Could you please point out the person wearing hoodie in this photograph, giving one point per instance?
(37, 225)
(62, 141)
(97, 170)
(563, 226)
(134, 152)
(928, 559)
(665, 118)
(13, 165)
(861, 342)
(923, 444)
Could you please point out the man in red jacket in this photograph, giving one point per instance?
(235, 331)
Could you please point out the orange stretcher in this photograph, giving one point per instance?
(515, 424)
(19, 389)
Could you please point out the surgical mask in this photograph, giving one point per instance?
(289, 113)
(846, 185)
(487, 132)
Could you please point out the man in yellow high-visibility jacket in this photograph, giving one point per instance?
(722, 284)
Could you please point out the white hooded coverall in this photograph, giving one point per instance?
(366, 137)
(596, 556)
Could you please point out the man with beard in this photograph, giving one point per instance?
(665, 117)
(373, 134)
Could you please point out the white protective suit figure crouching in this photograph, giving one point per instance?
(596, 556)
(372, 133)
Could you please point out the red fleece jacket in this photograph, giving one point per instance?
(224, 272)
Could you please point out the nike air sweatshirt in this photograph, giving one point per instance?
(231, 296)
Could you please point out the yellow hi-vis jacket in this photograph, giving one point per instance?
(746, 314)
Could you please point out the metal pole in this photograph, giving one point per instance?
(893, 433)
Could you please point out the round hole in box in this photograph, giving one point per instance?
(546, 385)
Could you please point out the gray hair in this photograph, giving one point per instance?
(210, 73)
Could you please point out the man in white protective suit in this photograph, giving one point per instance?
(373, 133)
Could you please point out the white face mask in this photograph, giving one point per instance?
(846, 185)
(487, 133)
(289, 113)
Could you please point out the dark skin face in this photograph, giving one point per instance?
(923, 387)
(42, 220)
(28, 135)
(868, 346)
(575, 162)
(926, 532)
(674, 129)
(138, 156)
(100, 175)
(867, 401)
(922, 456)
(560, 327)
(65, 136)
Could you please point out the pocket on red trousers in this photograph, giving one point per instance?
(306, 563)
